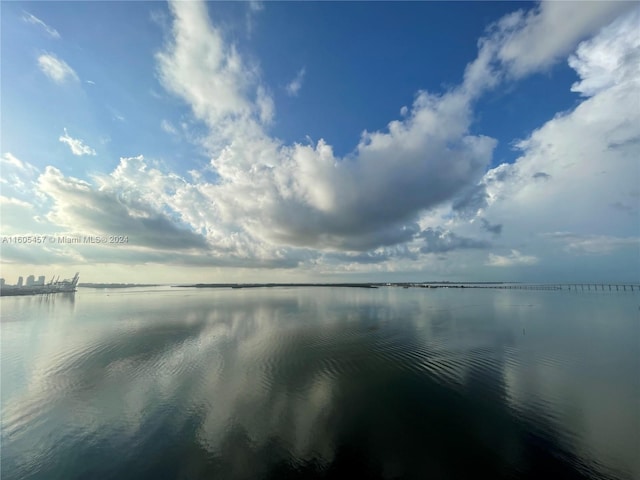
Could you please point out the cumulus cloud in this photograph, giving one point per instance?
(533, 40)
(289, 198)
(304, 195)
(611, 58)
(56, 69)
(515, 258)
(77, 146)
(81, 207)
(417, 187)
(145, 187)
(294, 86)
(575, 148)
(471, 201)
(525, 42)
(266, 106)
(578, 165)
(198, 66)
(29, 18)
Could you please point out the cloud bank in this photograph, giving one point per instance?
(412, 193)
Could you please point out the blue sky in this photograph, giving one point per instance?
(294, 141)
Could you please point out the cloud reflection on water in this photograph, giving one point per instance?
(314, 382)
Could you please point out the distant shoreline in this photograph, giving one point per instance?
(269, 285)
(496, 285)
(618, 286)
(346, 285)
(118, 285)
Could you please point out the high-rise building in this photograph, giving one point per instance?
(40, 280)
(1, 282)
(30, 280)
(19, 281)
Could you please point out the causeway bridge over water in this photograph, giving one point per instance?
(577, 287)
(618, 287)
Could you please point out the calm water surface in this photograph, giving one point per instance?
(320, 383)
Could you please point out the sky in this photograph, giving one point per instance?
(320, 141)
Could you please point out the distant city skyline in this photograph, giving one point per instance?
(145, 142)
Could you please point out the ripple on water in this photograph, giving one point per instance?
(149, 382)
(17, 417)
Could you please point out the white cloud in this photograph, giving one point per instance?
(526, 42)
(266, 107)
(15, 202)
(581, 164)
(533, 40)
(611, 58)
(294, 86)
(158, 212)
(56, 69)
(407, 196)
(77, 146)
(79, 206)
(303, 195)
(8, 159)
(18, 218)
(17, 175)
(19, 199)
(168, 127)
(29, 18)
(515, 258)
(198, 66)
(593, 148)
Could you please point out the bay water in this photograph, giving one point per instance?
(313, 382)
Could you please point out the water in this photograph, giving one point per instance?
(279, 383)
